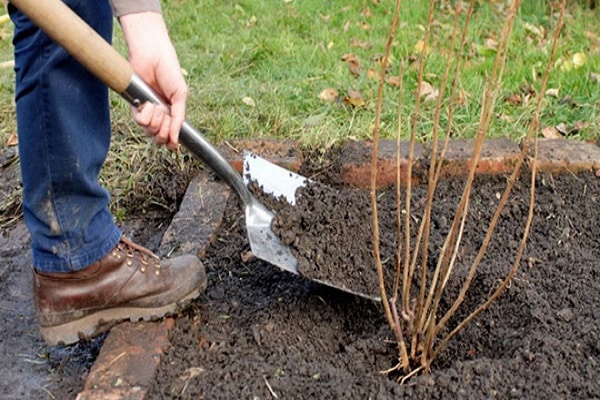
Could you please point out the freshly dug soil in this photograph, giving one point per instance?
(260, 333)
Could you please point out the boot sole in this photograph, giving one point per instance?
(102, 321)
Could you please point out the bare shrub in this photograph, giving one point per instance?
(412, 308)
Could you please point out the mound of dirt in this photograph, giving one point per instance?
(262, 333)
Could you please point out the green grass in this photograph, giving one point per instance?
(256, 69)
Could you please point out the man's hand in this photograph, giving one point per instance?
(153, 58)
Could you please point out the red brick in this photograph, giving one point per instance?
(497, 156)
(558, 155)
(284, 153)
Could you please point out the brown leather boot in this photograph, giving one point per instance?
(130, 283)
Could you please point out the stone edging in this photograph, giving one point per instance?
(129, 358)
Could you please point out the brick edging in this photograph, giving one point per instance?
(130, 355)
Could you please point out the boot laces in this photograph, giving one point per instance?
(145, 255)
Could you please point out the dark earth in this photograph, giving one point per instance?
(261, 333)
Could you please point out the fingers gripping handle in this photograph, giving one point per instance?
(67, 29)
(138, 92)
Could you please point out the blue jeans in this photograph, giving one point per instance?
(64, 128)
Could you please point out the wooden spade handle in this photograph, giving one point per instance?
(66, 28)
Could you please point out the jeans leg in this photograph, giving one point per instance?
(64, 132)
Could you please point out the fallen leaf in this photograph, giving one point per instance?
(491, 44)
(393, 80)
(534, 30)
(4, 18)
(7, 64)
(329, 95)
(360, 44)
(12, 140)
(421, 47)
(506, 118)
(324, 17)
(595, 77)
(578, 126)
(514, 99)
(428, 91)
(568, 100)
(372, 74)
(354, 99)
(579, 60)
(564, 65)
(552, 92)
(366, 12)
(550, 132)
(353, 63)
(378, 58)
(562, 128)
(249, 101)
(251, 22)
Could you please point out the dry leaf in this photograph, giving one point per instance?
(562, 128)
(354, 99)
(13, 140)
(514, 99)
(366, 12)
(4, 18)
(579, 60)
(578, 126)
(330, 95)
(535, 30)
(428, 91)
(552, 92)
(393, 80)
(7, 64)
(353, 63)
(361, 44)
(378, 58)
(505, 118)
(249, 101)
(325, 18)
(372, 74)
(491, 44)
(551, 132)
(421, 47)
(595, 77)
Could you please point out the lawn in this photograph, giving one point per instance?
(307, 70)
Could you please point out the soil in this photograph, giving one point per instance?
(33, 370)
(260, 333)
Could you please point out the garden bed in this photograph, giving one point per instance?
(262, 333)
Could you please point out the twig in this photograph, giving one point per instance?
(374, 160)
(270, 388)
(532, 129)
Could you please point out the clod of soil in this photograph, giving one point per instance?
(330, 232)
(262, 333)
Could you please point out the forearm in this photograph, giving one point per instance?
(125, 7)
